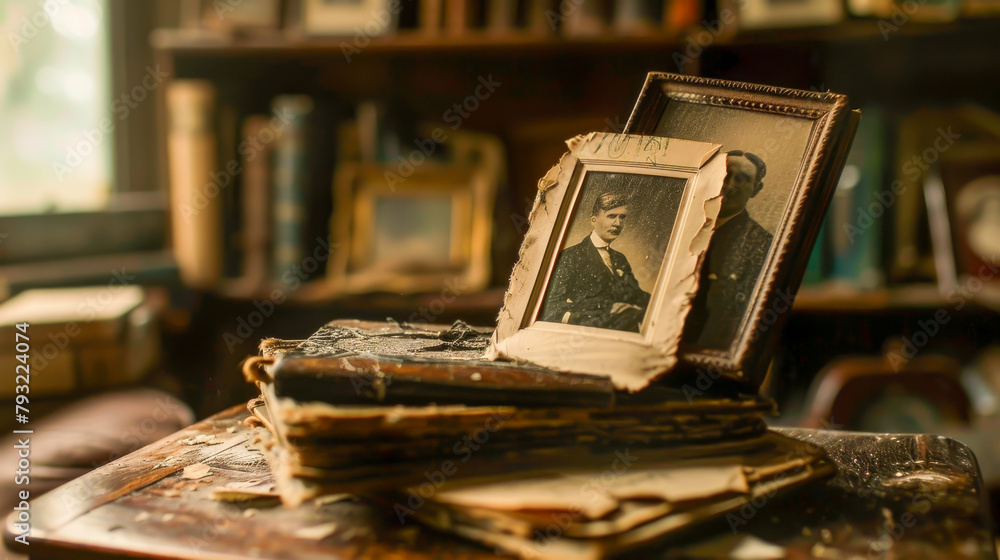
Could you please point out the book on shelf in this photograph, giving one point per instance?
(540, 17)
(227, 176)
(635, 17)
(870, 8)
(848, 252)
(855, 229)
(930, 10)
(256, 197)
(290, 182)
(501, 16)
(461, 16)
(680, 16)
(431, 16)
(195, 194)
(587, 18)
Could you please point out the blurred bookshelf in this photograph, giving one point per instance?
(187, 43)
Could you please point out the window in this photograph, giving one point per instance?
(55, 106)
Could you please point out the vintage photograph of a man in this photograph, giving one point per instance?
(606, 270)
(734, 260)
(764, 161)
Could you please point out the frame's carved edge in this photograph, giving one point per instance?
(722, 101)
(744, 87)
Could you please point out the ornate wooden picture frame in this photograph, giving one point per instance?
(595, 293)
(790, 146)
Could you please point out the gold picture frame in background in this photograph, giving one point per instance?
(343, 17)
(245, 16)
(419, 231)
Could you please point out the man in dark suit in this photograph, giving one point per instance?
(734, 259)
(592, 284)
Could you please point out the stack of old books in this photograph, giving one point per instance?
(534, 462)
(583, 425)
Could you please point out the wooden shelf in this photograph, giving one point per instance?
(834, 299)
(199, 42)
(826, 298)
(180, 41)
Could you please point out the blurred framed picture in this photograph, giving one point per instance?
(433, 227)
(241, 15)
(342, 17)
(609, 262)
(977, 223)
(962, 194)
(766, 14)
(950, 226)
(785, 151)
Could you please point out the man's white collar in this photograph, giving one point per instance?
(597, 241)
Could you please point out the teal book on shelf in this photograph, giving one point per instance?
(291, 182)
(854, 221)
(816, 268)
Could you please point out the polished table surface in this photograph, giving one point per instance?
(895, 496)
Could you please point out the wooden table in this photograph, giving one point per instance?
(895, 496)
